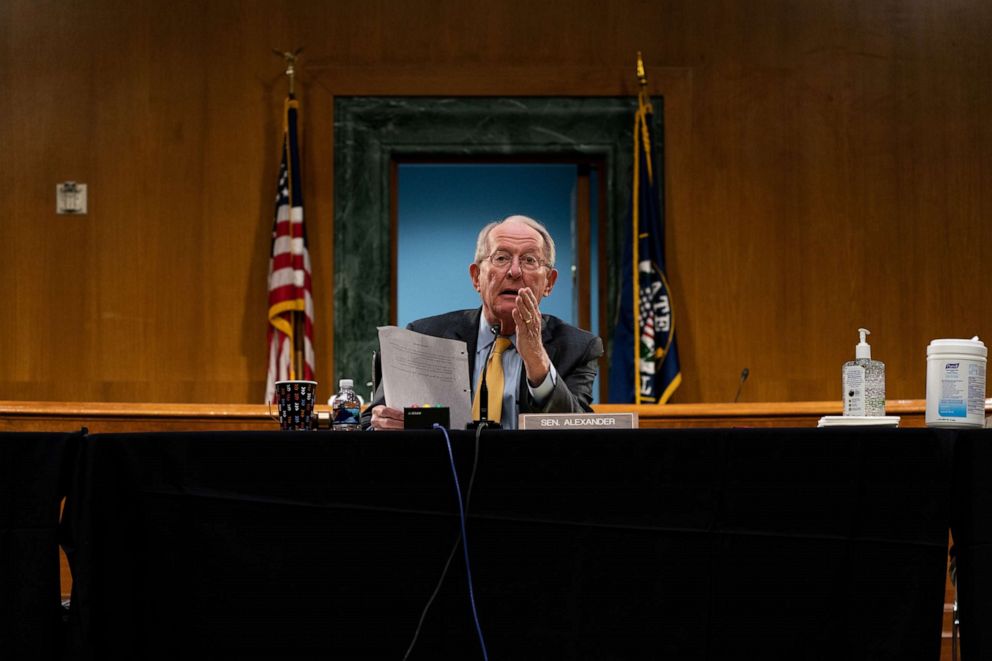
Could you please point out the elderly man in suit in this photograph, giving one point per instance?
(548, 365)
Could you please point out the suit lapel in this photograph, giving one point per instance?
(467, 330)
(549, 346)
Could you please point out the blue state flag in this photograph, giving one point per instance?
(646, 321)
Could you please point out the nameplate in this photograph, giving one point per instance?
(577, 421)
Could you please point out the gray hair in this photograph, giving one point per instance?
(482, 243)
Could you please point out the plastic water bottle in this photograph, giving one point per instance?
(346, 408)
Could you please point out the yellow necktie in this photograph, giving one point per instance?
(494, 382)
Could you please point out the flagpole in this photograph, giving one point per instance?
(290, 57)
(296, 365)
(635, 235)
(291, 353)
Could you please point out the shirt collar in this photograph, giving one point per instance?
(485, 337)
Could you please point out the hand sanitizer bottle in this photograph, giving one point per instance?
(864, 381)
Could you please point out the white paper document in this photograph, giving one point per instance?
(420, 369)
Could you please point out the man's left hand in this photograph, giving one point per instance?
(527, 317)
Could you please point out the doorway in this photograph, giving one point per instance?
(373, 135)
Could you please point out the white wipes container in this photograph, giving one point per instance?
(956, 383)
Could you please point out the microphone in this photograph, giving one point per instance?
(484, 420)
(376, 374)
(744, 374)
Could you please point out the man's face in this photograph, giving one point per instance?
(497, 286)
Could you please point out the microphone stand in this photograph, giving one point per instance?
(744, 374)
(484, 420)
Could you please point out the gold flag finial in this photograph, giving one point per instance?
(290, 57)
(642, 77)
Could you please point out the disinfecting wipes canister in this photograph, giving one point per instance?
(956, 383)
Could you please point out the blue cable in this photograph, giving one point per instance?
(461, 518)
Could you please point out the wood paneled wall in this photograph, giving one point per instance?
(828, 168)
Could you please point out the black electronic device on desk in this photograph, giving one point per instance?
(425, 417)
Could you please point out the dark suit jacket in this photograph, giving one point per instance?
(574, 353)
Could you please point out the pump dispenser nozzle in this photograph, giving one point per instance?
(863, 350)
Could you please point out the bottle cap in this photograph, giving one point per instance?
(863, 350)
(346, 383)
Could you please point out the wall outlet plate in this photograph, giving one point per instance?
(70, 198)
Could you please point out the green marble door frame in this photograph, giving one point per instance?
(370, 131)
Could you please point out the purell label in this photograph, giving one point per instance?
(962, 390)
(854, 390)
(952, 392)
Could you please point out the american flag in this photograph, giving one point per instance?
(291, 353)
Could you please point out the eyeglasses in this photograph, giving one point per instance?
(502, 259)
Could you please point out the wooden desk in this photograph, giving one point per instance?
(114, 417)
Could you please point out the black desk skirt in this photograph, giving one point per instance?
(35, 471)
(687, 544)
(972, 528)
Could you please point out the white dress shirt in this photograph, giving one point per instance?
(512, 366)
